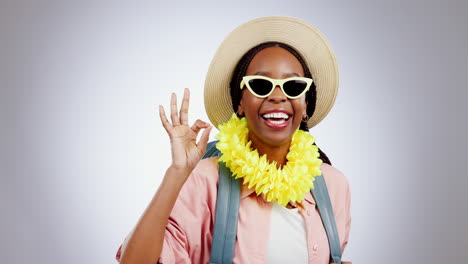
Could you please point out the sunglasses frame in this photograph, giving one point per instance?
(275, 82)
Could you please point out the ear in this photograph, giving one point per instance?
(240, 109)
(305, 105)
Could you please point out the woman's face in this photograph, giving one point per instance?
(276, 63)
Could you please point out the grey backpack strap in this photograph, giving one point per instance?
(227, 210)
(322, 199)
(211, 150)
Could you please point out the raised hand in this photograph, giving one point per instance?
(186, 152)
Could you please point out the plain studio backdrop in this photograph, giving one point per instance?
(83, 151)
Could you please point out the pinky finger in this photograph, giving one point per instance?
(204, 139)
(162, 114)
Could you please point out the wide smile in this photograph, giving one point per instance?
(277, 120)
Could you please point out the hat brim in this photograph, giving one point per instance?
(303, 37)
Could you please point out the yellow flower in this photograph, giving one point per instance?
(287, 184)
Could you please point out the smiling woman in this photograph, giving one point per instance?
(267, 78)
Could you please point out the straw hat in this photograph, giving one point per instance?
(303, 37)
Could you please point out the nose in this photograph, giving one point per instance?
(277, 96)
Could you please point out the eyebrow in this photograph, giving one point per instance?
(267, 73)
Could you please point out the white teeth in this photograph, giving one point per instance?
(279, 122)
(276, 115)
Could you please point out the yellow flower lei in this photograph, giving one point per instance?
(287, 184)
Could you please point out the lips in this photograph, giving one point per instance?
(276, 119)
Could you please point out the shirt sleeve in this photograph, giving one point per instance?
(340, 196)
(188, 234)
(189, 229)
(347, 217)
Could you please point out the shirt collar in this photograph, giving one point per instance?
(245, 191)
(308, 198)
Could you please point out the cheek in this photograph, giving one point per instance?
(300, 106)
(249, 103)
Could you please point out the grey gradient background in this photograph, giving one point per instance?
(83, 151)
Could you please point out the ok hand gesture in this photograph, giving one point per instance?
(186, 152)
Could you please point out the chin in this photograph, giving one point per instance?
(279, 139)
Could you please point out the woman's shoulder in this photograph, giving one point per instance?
(334, 178)
(207, 168)
(204, 176)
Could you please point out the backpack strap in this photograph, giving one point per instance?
(227, 210)
(211, 150)
(322, 199)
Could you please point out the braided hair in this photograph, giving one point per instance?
(241, 69)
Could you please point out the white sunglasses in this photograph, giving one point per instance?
(262, 86)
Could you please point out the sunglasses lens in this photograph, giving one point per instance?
(294, 87)
(260, 86)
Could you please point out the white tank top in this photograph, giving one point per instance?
(287, 238)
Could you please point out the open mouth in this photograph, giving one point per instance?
(276, 118)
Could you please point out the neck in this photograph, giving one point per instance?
(274, 153)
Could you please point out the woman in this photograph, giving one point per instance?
(273, 73)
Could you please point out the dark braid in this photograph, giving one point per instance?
(241, 69)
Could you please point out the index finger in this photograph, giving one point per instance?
(184, 108)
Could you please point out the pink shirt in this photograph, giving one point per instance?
(190, 226)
